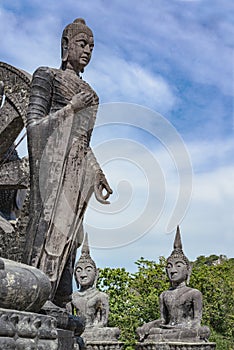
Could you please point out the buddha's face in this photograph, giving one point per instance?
(177, 270)
(80, 49)
(85, 275)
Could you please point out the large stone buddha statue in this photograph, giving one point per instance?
(63, 169)
(180, 305)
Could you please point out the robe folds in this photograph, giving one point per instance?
(62, 169)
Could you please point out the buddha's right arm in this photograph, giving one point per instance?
(40, 101)
(40, 95)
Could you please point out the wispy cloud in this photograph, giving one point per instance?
(28, 42)
(208, 218)
(120, 80)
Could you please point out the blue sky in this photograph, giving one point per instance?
(174, 60)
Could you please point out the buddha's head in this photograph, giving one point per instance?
(77, 45)
(86, 272)
(178, 266)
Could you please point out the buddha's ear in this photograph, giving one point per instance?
(77, 283)
(96, 277)
(64, 49)
(189, 272)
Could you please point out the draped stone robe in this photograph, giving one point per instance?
(62, 169)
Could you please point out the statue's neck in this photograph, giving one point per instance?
(86, 288)
(70, 67)
(176, 285)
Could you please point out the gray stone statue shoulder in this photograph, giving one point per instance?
(90, 303)
(180, 305)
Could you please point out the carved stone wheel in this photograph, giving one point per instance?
(13, 109)
(14, 96)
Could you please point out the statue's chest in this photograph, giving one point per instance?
(85, 303)
(66, 84)
(178, 300)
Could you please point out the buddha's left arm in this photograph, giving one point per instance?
(163, 310)
(197, 307)
(105, 309)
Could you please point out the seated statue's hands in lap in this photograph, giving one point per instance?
(143, 331)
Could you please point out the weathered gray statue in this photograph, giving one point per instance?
(88, 302)
(63, 170)
(180, 305)
(11, 201)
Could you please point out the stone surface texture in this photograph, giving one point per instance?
(148, 345)
(14, 175)
(23, 287)
(14, 172)
(27, 331)
(102, 345)
(65, 340)
(16, 85)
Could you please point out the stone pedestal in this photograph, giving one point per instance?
(102, 338)
(103, 345)
(65, 340)
(21, 330)
(174, 346)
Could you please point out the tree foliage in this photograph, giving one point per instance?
(134, 296)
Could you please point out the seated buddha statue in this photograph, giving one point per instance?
(88, 302)
(180, 305)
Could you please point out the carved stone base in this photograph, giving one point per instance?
(149, 345)
(103, 345)
(103, 338)
(101, 334)
(21, 330)
(65, 340)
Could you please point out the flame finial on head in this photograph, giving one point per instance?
(178, 251)
(85, 247)
(85, 254)
(177, 241)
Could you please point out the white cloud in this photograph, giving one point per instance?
(211, 154)
(119, 80)
(207, 226)
(28, 42)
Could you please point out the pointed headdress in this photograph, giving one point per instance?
(85, 254)
(177, 252)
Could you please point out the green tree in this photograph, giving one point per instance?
(216, 283)
(117, 283)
